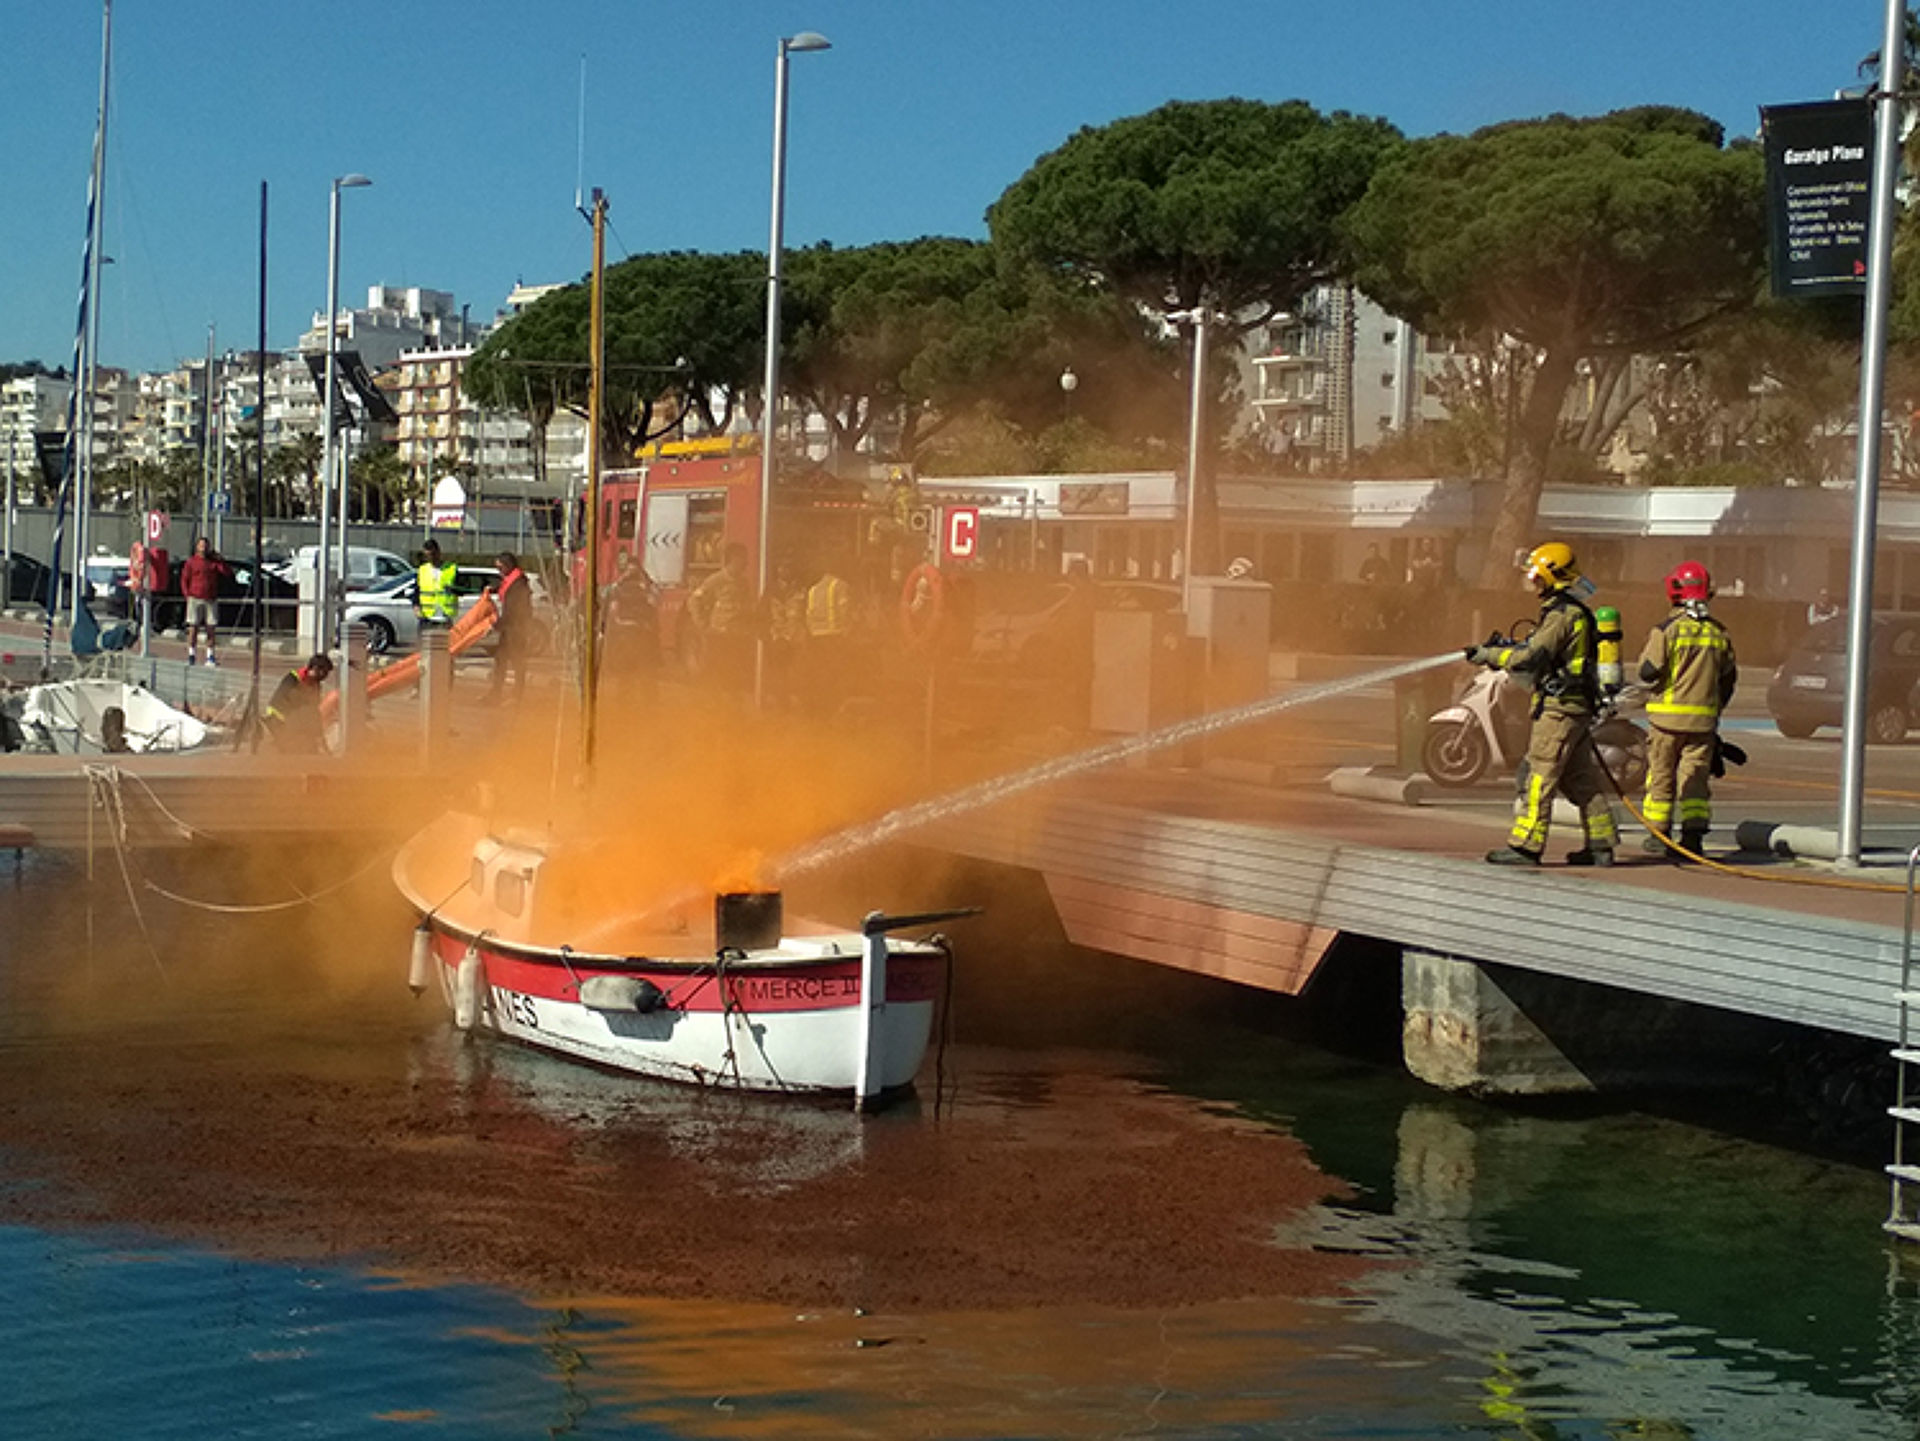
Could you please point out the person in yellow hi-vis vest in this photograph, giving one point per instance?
(1690, 671)
(1560, 660)
(434, 599)
(829, 627)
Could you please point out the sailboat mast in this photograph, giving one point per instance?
(78, 410)
(207, 442)
(96, 248)
(596, 398)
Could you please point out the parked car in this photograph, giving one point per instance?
(387, 608)
(367, 566)
(1809, 689)
(107, 582)
(27, 581)
(233, 611)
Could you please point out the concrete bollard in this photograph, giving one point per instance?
(1372, 784)
(436, 694)
(353, 687)
(1806, 842)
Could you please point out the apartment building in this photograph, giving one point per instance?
(443, 432)
(393, 321)
(1337, 375)
(29, 404)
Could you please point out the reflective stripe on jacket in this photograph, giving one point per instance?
(1558, 657)
(1689, 661)
(437, 600)
(829, 607)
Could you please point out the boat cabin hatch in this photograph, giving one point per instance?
(505, 877)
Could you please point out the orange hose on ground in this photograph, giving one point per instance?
(467, 632)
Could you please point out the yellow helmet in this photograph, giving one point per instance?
(1551, 566)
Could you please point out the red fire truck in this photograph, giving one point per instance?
(678, 511)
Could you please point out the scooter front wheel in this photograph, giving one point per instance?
(1455, 753)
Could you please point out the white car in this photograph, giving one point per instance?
(387, 608)
(368, 567)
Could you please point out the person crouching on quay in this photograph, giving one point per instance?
(293, 715)
(1689, 669)
(1560, 660)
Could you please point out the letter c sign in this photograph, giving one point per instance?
(962, 532)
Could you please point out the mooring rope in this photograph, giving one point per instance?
(103, 791)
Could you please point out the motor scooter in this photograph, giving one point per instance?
(1485, 731)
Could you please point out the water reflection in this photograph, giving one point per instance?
(752, 1144)
(1630, 1273)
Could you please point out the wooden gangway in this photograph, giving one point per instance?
(1254, 888)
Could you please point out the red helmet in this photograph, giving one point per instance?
(1689, 581)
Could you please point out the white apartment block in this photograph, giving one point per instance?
(1338, 375)
(28, 404)
(394, 320)
(443, 430)
(415, 341)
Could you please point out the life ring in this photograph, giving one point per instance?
(923, 605)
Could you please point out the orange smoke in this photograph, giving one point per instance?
(745, 872)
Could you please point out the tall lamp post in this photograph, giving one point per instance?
(770, 389)
(1866, 489)
(1200, 317)
(329, 388)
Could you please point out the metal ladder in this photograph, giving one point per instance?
(1903, 1215)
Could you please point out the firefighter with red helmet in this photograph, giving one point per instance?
(1560, 660)
(1689, 670)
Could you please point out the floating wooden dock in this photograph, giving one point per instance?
(1255, 889)
(65, 802)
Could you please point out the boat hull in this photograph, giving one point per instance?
(785, 1020)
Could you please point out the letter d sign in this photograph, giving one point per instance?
(962, 532)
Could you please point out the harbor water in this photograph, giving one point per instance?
(249, 1188)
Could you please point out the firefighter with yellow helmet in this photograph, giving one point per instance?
(1560, 661)
(1689, 670)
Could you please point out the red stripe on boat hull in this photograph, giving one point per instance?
(830, 983)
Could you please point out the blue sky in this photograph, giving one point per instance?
(465, 115)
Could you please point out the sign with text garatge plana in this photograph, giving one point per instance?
(1819, 195)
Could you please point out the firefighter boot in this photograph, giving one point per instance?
(1693, 839)
(1656, 842)
(1591, 855)
(1512, 856)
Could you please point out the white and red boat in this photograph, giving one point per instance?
(739, 1004)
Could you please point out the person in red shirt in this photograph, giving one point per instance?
(200, 580)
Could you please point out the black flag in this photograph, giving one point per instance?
(317, 367)
(50, 448)
(354, 371)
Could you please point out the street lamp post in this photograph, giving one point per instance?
(770, 389)
(1199, 317)
(322, 600)
(1866, 489)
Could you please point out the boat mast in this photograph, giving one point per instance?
(97, 259)
(77, 408)
(596, 397)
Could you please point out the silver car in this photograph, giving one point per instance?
(386, 610)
